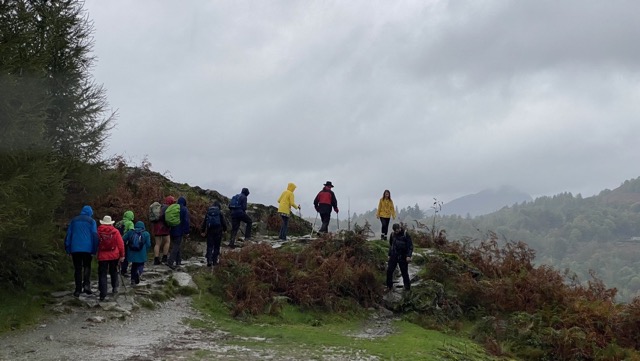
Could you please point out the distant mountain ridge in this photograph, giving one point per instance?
(485, 202)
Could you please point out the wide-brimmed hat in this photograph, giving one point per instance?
(328, 184)
(106, 220)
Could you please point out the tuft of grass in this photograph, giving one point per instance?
(147, 303)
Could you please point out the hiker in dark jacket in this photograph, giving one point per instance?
(137, 257)
(81, 243)
(324, 202)
(178, 233)
(213, 234)
(110, 253)
(239, 214)
(400, 252)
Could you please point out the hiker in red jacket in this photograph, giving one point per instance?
(324, 202)
(110, 253)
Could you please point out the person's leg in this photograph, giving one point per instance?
(175, 249)
(86, 272)
(210, 238)
(385, 227)
(136, 271)
(77, 272)
(125, 264)
(113, 273)
(217, 240)
(404, 270)
(235, 225)
(156, 250)
(102, 278)
(391, 268)
(283, 227)
(247, 229)
(325, 218)
(166, 245)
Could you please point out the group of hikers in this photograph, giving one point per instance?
(118, 244)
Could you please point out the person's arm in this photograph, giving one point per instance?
(334, 202)
(147, 239)
(68, 238)
(378, 211)
(292, 201)
(316, 202)
(409, 246)
(223, 222)
(187, 222)
(393, 210)
(120, 246)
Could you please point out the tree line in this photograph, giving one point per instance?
(53, 127)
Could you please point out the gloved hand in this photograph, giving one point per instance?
(337, 210)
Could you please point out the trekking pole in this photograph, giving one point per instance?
(314, 224)
(338, 219)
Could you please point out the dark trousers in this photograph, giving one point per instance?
(325, 218)
(125, 264)
(136, 270)
(112, 268)
(401, 261)
(82, 270)
(175, 257)
(385, 225)
(235, 226)
(284, 227)
(214, 239)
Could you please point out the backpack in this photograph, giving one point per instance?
(136, 243)
(213, 217)
(235, 201)
(172, 215)
(120, 226)
(107, 242)
(155, 212)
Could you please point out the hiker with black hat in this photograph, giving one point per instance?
(324, 202)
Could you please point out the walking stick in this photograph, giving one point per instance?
(338, 219)
(314, 224)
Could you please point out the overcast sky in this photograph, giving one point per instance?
(430, 99)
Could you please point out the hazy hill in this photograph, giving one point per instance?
(484, 202)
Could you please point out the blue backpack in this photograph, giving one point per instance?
(235, 201)
(213, 217)
(136, 242)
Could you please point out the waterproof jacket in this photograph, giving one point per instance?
(223, 223)
(185, 219)
(127, 220)
(141, 255)
(113, 254)
(325, 200)
(386, 209)
(403, 236)
(287, 200)
(82, 233)
(242, 210)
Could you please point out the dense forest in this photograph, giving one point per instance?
(585, 235)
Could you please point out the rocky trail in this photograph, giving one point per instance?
(135, 325)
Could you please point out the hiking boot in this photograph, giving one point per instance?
(383, 237)
(88, 291)
(156, 261)
(102, 297)
(76, 294)
(133, 283)
(164, 259)
(115, 290)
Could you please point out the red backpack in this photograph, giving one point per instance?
(107, 242)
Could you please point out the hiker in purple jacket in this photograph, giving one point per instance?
(81, 243)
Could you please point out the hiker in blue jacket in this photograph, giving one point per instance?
(238, 206)
(400, 252)
(177, 234)
(138, 241)
(81, 243)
